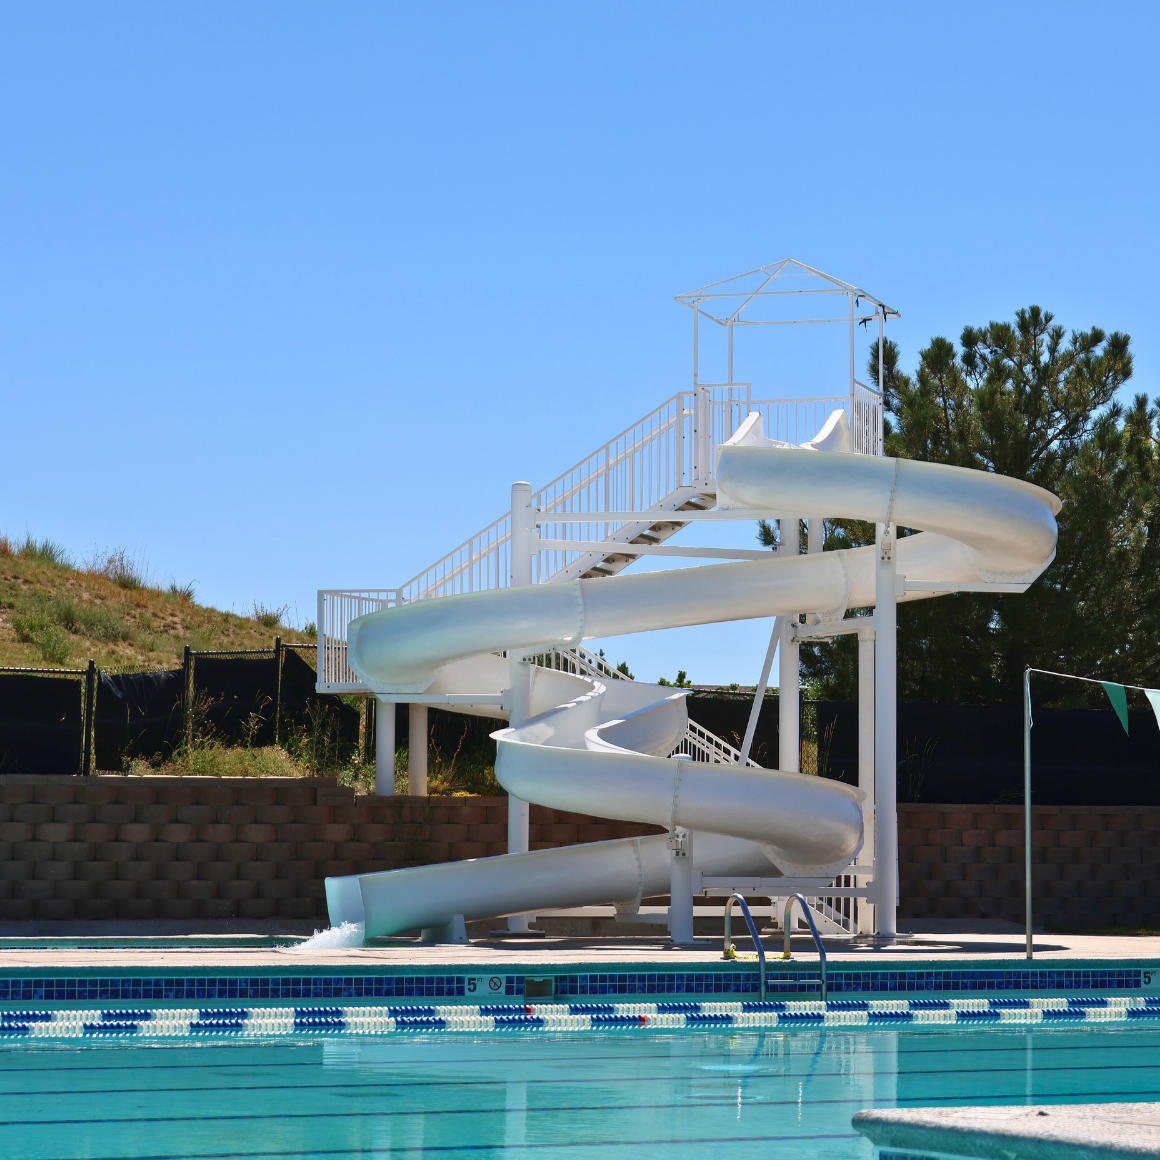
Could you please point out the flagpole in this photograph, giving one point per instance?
(1027, 800)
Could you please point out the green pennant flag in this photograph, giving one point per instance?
(1119, 700)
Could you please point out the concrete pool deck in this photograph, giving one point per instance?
(21, 953)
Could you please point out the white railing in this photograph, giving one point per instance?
(336, 609)
(866, 420)
(701, 745)
(841, 915)
(580, 661)
(652, 467)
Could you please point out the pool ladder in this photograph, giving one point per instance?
(785, 923)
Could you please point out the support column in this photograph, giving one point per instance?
(788, 691)
(417, 750)
(681, 887)
(384, 748)
(866, 756)
(520, 670)
(885, 731)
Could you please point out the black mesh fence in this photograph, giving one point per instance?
(70, 721)
(43, 719)
(970, 754)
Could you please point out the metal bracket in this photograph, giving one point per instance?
(830, 628)
(464, 700)
(956, 586)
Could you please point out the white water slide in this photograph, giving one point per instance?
(601, 747)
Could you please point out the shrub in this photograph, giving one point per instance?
(44, 552)
(84, 620)
(38, 629)
(184, 593)
(117, 566)
(270, 617)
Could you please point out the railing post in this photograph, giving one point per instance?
(520, 670)
(885, 732)
(186, 694)
(322, 665)
(87, 717)
(277, 689)
(788, 691)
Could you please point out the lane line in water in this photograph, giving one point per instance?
(1013, 1040)
(765, 1074)
(435, 1114)
(425, 1149)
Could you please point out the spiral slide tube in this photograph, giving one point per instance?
(601, 748)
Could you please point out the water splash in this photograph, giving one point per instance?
(348, 934)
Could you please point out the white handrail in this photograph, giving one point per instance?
(701, 745)
(651, 467)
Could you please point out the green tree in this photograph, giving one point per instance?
(1029, 400)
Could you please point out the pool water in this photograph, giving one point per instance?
(756, 1093)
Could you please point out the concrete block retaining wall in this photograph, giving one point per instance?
(1092, 865)
(223, 848)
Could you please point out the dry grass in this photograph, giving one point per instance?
(56, 614)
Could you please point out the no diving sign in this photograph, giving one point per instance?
(479, 986)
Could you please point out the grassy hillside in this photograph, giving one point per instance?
(57, 613)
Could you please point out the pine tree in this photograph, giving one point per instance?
(1027, 400)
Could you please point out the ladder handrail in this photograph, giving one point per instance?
(787, 952)
(728, 948)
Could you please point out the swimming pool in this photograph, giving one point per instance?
(757, 1092)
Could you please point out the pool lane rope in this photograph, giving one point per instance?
(262, 1022)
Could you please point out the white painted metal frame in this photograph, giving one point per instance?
(652, 468)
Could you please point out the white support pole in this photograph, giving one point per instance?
(519, 669)
(788, 690)
(817, 534)
(1028, 883)
(759, 692)
(885, 731)
(866, 753)
(385, 748)
(681, 887)
(853, 376)
(880, 449)
(417, 750)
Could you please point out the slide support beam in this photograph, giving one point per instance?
(384, 748)
(866, 751)
(520, 670)
(886, 731)
(417, 750)
(788, 692)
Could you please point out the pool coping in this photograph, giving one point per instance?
(1041, 1131)
(321, 984)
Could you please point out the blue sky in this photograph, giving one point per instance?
(290, 293)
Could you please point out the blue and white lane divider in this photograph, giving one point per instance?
(559, 1016)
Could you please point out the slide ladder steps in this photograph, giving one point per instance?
(656, 533)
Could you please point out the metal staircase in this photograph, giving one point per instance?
(660, 466)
